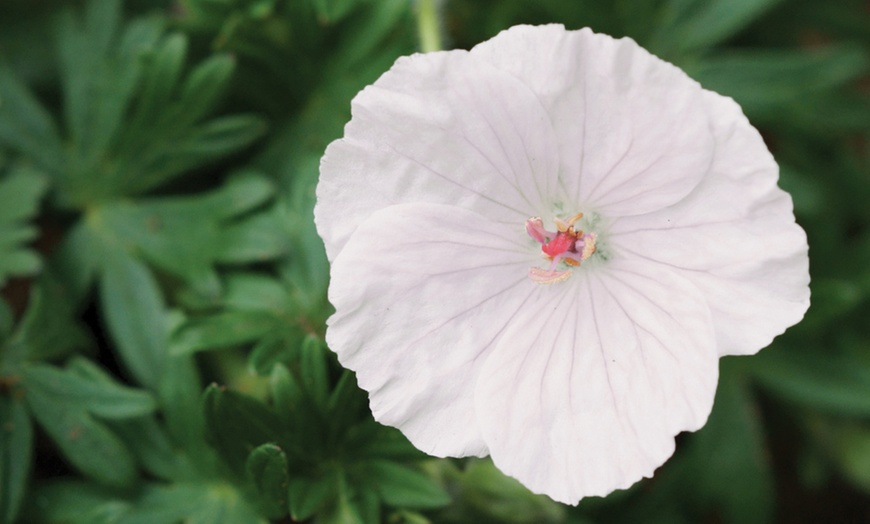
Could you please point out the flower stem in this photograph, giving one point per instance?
(429, 25)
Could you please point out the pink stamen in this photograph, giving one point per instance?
(565, 246)
(535, 229)
(540, 276)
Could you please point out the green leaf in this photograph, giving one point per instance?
(368, 504)
(344, 509)
(85, 442)
(500, 498)
(807, 192)
(161, 74)
(222, 330)
(402, 487)
(346, 402)
(260, 238)
(167, 503)
(49, 328)
(849, 445)
(77, 502)
(313, 371)
(134, 311)
(833, 298)
(267, 468)
(25, 125)
(79, 392)
(186, 236)
(133, 122)
(768, 84)
(828, 382)
(286, 393)
(16, 450)
(256, 308)
(77, 260)
(730, 466)
(331, 11)
(192, 503)
(237, 424)
(244, 191)
(693, 24)
(308, 496)
(390, 444)
(7, 319)
(271, 351)
(154, 450)
(94, 105)
(205, 85)
(219, 137)
(193, 147)
(142, 434)
(20, 193)
(255, 292)
(181, 402)
(223, 504)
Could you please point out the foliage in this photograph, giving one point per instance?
(163, 157)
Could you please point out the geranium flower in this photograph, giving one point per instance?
(541, 247)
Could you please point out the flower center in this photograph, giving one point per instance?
(565, 248)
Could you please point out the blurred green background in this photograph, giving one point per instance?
(163, 287)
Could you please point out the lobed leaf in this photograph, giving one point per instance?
(78, 391)
(20, 193)
(86, 443)
(134, 311)
(188, 236)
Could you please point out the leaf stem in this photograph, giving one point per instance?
(429, 25)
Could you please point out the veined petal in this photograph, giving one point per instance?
(589, 384)
(442, 128)
(422, 292)
(632, 130)
(753, 267)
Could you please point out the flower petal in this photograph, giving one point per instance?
(753, 267)
(421, 293)
(442, 128)
(633, 134)
(590, 383)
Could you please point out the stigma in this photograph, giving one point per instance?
(565, 248)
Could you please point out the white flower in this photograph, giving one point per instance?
(540, 249)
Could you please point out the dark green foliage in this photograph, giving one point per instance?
(157, 170)
(20, 191)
